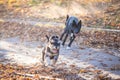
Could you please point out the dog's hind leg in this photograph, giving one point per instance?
(65, 39)
(62, 35)
(43, 54)
(71, 40)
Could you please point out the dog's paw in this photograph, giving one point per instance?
(47, 64)
(50, 66)
(62, 45)
(68, 48)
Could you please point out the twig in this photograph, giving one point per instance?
(39, 76)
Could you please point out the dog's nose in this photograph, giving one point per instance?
(56, 47)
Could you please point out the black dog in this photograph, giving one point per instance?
(50, 53)
(73, 26)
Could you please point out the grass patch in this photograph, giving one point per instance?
(109, 27)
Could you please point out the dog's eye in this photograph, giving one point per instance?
(53, 37)
(56, 36)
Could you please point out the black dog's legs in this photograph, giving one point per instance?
(62, 35)
(71, 40)
(65, 39)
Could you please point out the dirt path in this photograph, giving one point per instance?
(28, 54)
(84, 61)
(49, 23)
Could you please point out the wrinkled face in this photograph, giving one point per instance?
(54, 44)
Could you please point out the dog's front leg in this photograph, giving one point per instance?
(47, 61)
(54, 60)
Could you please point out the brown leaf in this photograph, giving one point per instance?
(36, 76)
(97, 71)
(83, 71)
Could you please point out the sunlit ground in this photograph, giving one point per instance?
(28, 54)
(23, 28)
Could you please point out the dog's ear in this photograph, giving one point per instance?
(79, 23)
(67, 17)
(47, 38)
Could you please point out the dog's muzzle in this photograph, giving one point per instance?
(56, 47)
(55, 51)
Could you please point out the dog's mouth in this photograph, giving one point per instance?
(55, 51)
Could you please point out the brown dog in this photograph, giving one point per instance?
(50, 52)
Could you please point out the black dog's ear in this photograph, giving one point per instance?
(80, 23)
(67, 17)
(47, 38)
